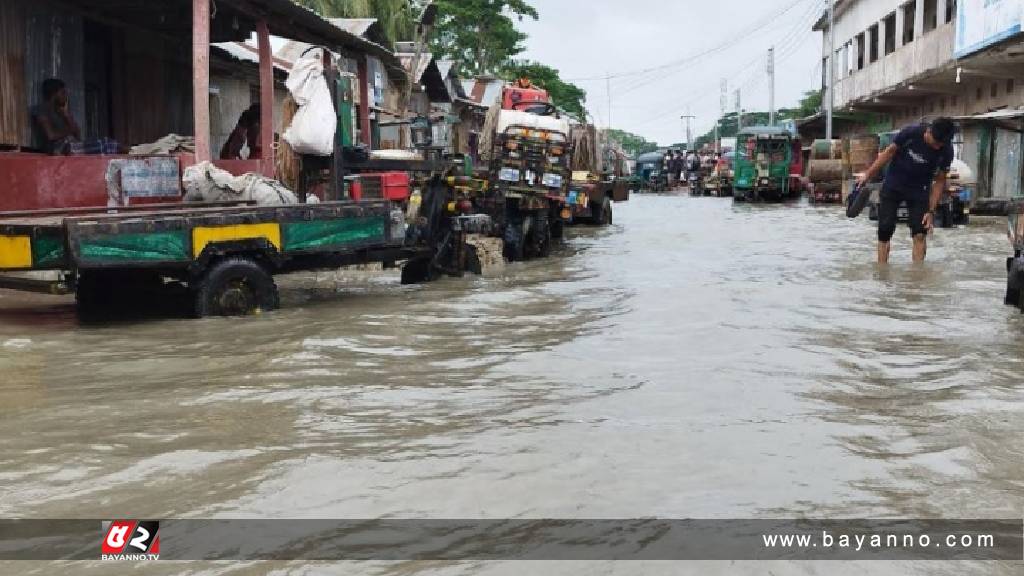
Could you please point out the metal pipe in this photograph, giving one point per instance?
(830, 104)
(771, 86)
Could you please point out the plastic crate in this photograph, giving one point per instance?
(392, 186)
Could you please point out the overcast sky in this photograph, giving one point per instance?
(587, 39)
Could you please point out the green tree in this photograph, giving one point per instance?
(565, 95)
(480, 35)
(397, 18)
(810, 104)
(633, 144)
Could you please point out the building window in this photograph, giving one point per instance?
(890, 33)
(848, 58)
(942, 105)
(1010, 86)
(950, 10)
(861, 61)
(955, 102)
(931, 15)
(873, 43)
(995, 89)
(979, 93)
(909, 15)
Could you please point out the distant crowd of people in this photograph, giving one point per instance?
(680, 164)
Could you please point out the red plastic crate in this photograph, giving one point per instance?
(392, 186)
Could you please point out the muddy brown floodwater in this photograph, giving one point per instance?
(695, 360)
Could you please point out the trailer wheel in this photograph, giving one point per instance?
(236, 287)
(540, 236)
(558, 229)
(514, 241)
(418, 271)
(601, 213)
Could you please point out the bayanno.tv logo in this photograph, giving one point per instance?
(131, 540)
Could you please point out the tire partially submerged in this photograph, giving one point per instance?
(235, 287)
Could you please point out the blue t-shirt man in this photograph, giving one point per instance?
(919, 159)
(916, 163)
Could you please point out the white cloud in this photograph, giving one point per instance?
(586, 39)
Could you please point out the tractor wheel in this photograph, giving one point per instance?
(538, 236)
(235, 287)
(601, 213)
(514, 242)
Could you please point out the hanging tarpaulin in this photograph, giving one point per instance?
(982, 23)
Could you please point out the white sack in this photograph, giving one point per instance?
(313, 128)
(204, 182)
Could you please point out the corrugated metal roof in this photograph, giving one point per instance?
(357, 26)
(996, 115)
(445, 67)
(247, 53)
(483, 91)
(407, 61)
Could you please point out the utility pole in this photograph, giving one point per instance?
(771, 86)
(689, 139)
(831, 100)
(723, 103)
(739, 112)
(608, 86)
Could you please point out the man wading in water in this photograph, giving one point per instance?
(919, 157)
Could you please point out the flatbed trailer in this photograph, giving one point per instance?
(225, 256)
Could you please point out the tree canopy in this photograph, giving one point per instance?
(480, 35)
(396, 17)
(633, 144)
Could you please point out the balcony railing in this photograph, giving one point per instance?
(928, 52)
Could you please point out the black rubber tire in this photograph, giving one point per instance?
(557, 229)
(473, 264)
(540, 236)
(417, 271)
(514, 242)
(855, 205)
(601, 213)
(235, 287)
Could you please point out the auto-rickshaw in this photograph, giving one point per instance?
(768, 165)
(650, 170)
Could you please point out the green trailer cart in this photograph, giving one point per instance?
(224, 257)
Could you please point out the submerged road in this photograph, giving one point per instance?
(695, 360)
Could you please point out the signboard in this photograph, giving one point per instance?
(982, 23)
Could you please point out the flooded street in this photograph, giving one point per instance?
(695, 360)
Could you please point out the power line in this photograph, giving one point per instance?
(767, 21)
(790, 44)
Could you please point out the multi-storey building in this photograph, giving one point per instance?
(910, 61)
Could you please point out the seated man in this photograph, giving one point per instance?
(55, 126)
(246, 132)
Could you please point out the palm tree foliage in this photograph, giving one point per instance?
(396, 17)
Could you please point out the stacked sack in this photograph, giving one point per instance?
(826, 170)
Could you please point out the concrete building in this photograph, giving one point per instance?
(911, 61)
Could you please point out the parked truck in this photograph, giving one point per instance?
(600, 177)
(529, 158)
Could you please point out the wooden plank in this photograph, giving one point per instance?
(266, 99)
(201, 73)
(14, 129)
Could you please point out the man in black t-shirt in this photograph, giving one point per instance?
(919, 160)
